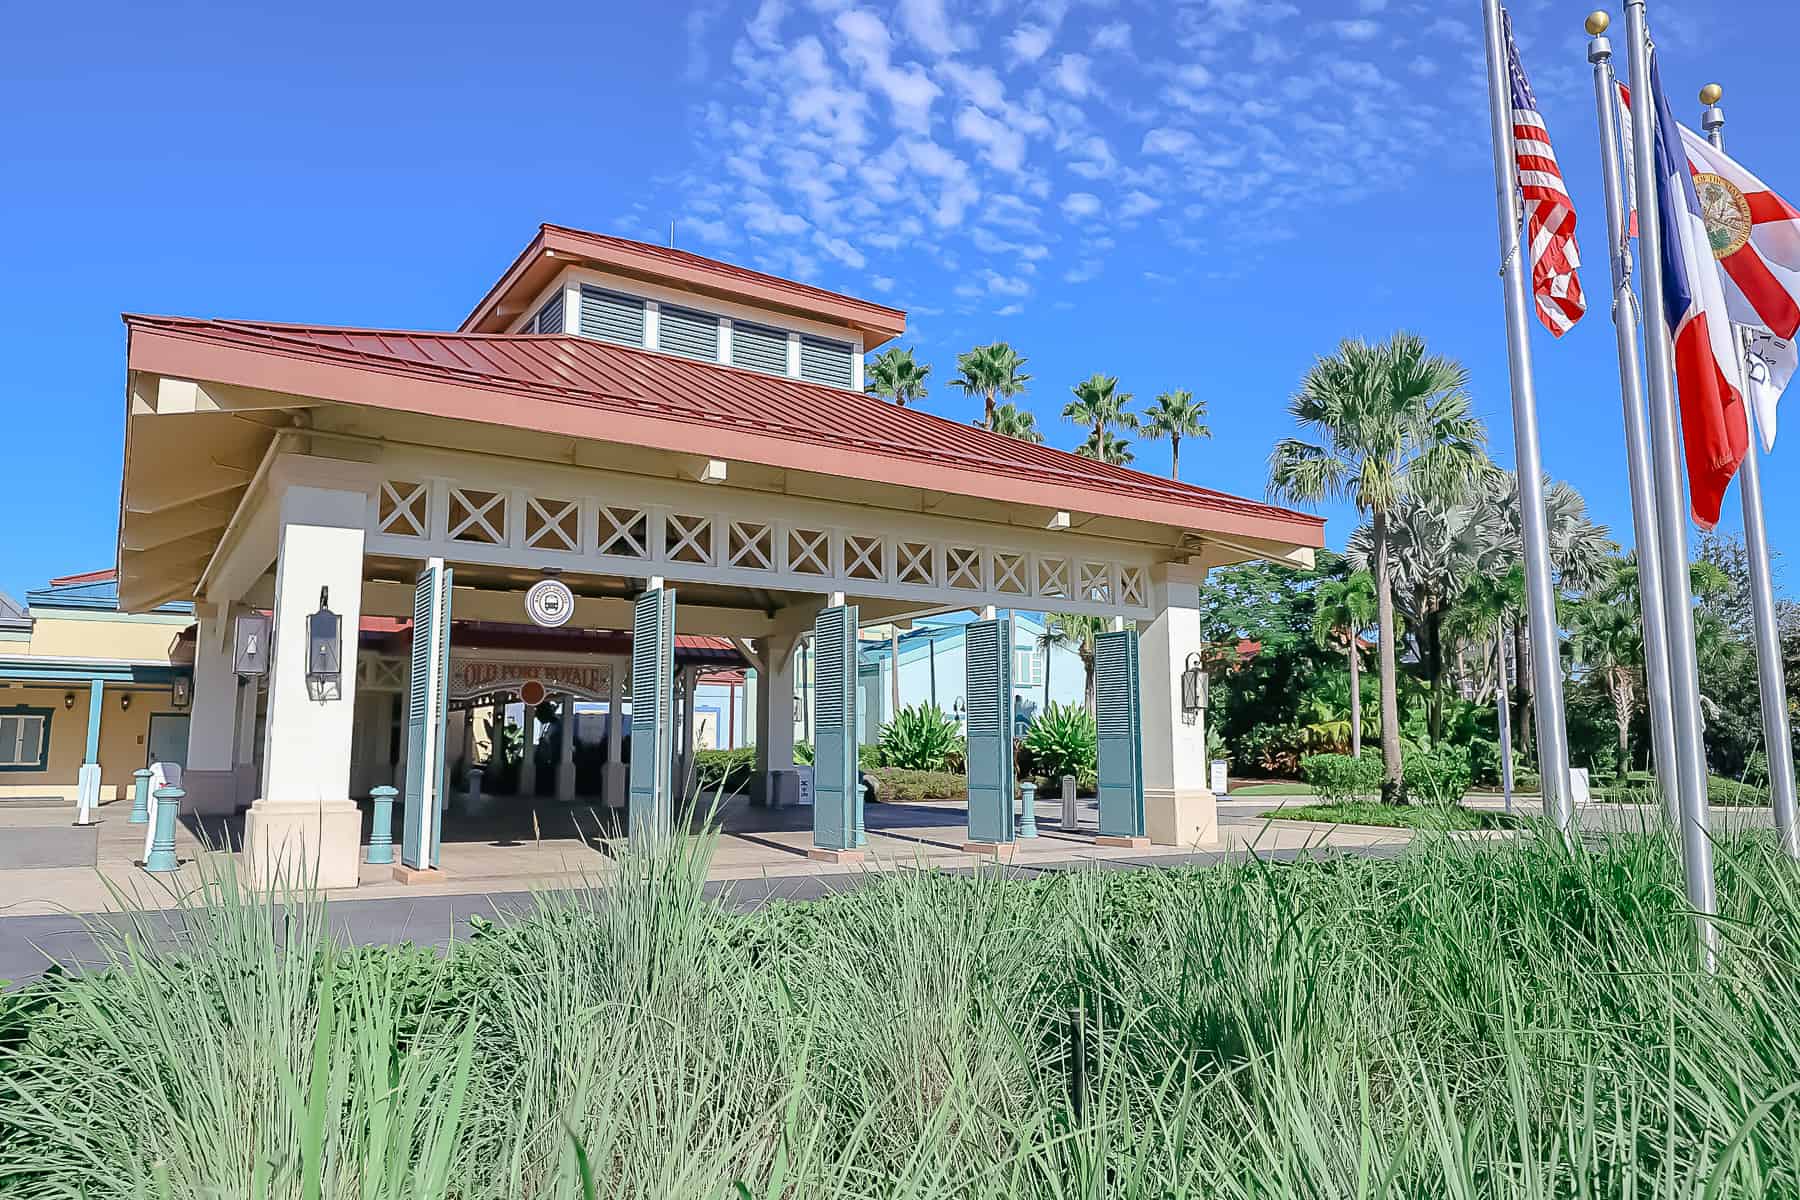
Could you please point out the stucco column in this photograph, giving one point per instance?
(304, 824)
(210, 777)
(87, 779)
(613, 782)
(528, 763)
(244, 765)
(1178, 808)
(565, 752)
(775, 707)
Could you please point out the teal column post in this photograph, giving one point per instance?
(381, 828)
(162, 850)
(96, 687)
(1028, 810)
(140, 797)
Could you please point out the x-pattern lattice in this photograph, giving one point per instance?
(1009, 573)
(690, 539)
(962, 567)
(624, 532)
(1053, 578)
(403, 508)
(809, 551)
(862, 556)
(1096, 582)
(751, 545)
(478, 517)
(552, 524)
(912, 562)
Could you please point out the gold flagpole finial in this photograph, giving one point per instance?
(1597, 22)
(1711, 94)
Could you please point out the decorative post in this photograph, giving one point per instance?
(381, 827)
(140, 797)
(162, 850)
(862, 835)
(1028, 810)
(1071, 813)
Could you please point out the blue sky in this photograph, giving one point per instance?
(1198, 195)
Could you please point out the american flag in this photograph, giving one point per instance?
(1549, 213)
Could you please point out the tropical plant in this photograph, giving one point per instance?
(1012, 421)
(1063, 740)
(1077, 632)
(1344, 608)
(1100, 406)
(1175, 415)
(1342, 778)
(991, 372)
(1438, 776)
(1107, 448)
(921, 737)
(1393, 422)
(1607, 639)
(896, 376)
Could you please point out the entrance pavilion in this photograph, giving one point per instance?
(685, 445)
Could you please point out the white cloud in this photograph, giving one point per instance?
(1028, 43)
(709, 231)
(1009, 310)
(1356, 31)
(866, 48)
(1091, 158)
(1137, 204)
(760, 216)
(1081, 204)
(1423, 67)
(1074, 75)
(881, 283)
(1001, 146)
(1357, 74)
(978, 84)
(841, 250)
(1006, 285)
(1169, 141)
(927, 24)
(1116, 36)
(1081, 272)
(1194, 75)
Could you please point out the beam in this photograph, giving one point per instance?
(148, 531)
(387, 598)
(175, 397)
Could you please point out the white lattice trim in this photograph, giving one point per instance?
(1012, 573)
(689, 539)
(477, 516)
(1096, 582)
(809, 551)
(624, 532)
(862, 557)
(913, 563)
(552, 524)
(750, 544)
(404, 509)
(1053, 578)
(962, 567)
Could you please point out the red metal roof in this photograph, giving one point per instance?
(102, 576)
(557, 246)
(594, 389)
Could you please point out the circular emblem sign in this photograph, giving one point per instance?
(550, 603)
(1726, 213)
(532, 693)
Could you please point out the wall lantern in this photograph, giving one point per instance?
(1193, 690)
(181, 691)
(324, 651)
(250, 650)
(68, 699)
(125, 702)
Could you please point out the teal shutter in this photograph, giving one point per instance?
(826, 361)
(652, 713)
(1120, 722)
(549, 318)
(686, 332)
(836, 781)
(611, 317)
(989, 716)
(759, 348)
(425, 694)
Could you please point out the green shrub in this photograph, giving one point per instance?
(868, 756)
(803, 753)
(1527, 780)
(1720, 790)
(1439, 776)
(723, 770)
(1341, 778)
(921, 737)
(899, 785)
(1484, 761)
(1062, 740)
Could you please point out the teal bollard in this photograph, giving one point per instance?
(162, 849)
(1028, 810)
(140, 797)
(381, 827)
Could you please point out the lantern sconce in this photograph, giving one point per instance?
(324, 651)
(181, 692)
(125, 702)
(1193, 690)
(68, 699)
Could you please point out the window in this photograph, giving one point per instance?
(549, 317)
(759, 348)
(611, 317)
(1028, 668)
(686, 332)
(823, 361)
(24, 740)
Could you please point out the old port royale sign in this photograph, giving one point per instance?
(532, 678)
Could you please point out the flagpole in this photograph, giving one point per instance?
(1546, 658)
(1778, 742)
(1671, 504)
(1637, 446)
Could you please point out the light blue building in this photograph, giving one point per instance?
(933, 670)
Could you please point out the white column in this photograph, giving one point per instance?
(304, 823)
(528, 764)
(565, 752)
(210, 777)
(775, 706)
(244, 768)
(1178, 808)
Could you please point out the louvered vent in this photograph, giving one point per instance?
(549, 318)
(759, 348)
(611, 317)
(684, 331)
(824, 361)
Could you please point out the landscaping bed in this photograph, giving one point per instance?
(1448, 817)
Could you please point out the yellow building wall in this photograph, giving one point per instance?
(100, 637)
(124, 739)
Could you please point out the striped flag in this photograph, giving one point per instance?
(1549, 213)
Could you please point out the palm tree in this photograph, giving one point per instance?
(1343, 608)
(1175, 415)
(1098, 406)
(1488, 601)
(1393, 422)
(1077, 633)
(1010, 420)
(1104, 447)
(1607, 639)
(991, 372)
(895, 375)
